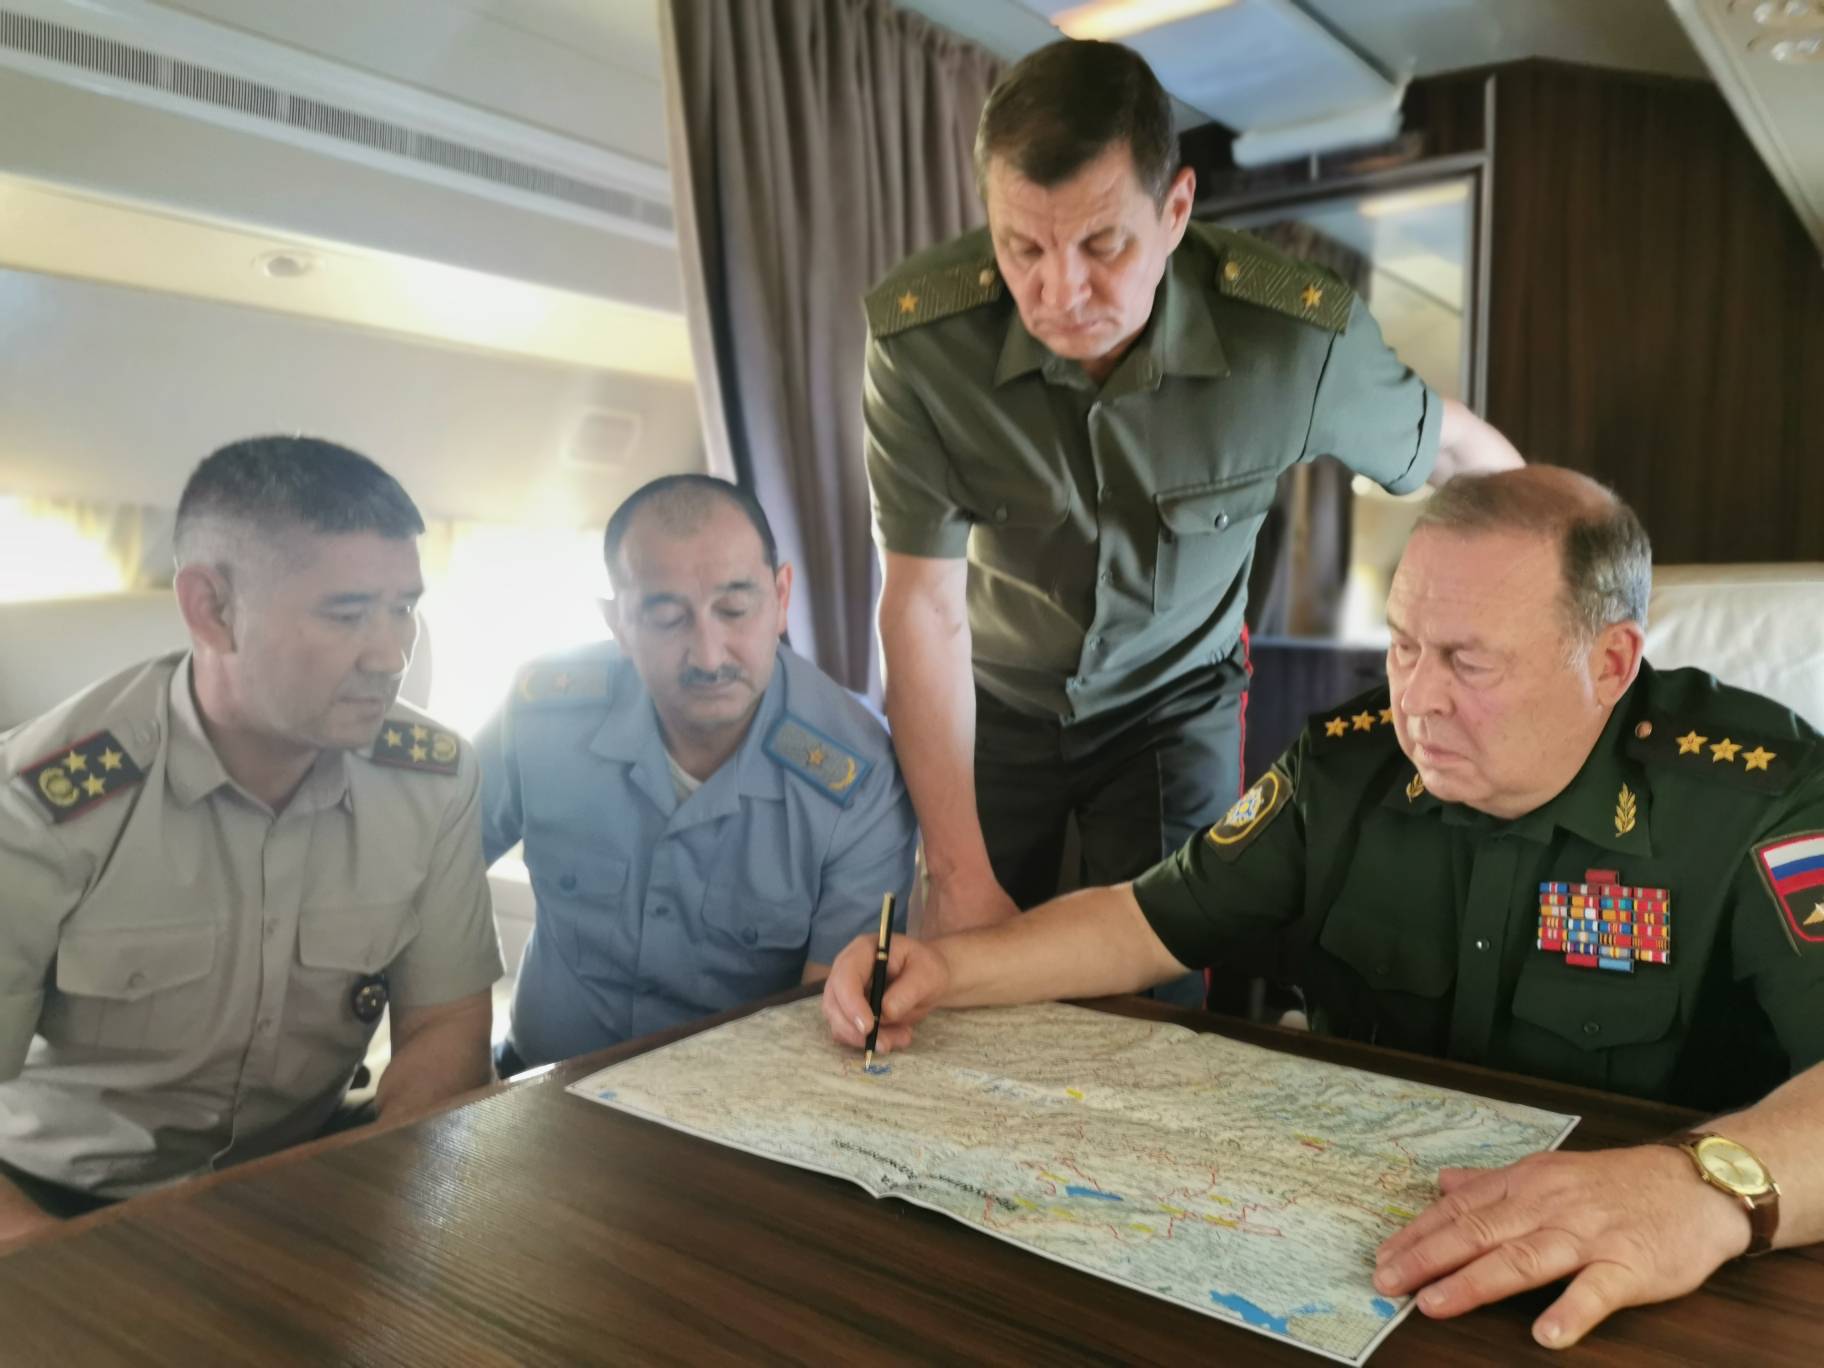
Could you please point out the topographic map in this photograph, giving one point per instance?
(1245, 1183)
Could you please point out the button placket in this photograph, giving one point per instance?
(1488, 906)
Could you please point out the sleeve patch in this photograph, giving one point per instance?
(1792, 868)
(1243, 822)
(80, 776)
(830, 768)
(404, 744)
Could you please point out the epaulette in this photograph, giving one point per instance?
(405, 743)
(1369, 716)
(1706, 749)
(80, 776)
(909, 301)
(829, 767)
(559, 683)
(1256, 275)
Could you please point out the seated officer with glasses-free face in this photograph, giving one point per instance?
(1532, 852)
(216, 867)
(707, 817)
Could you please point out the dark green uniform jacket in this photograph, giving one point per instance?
(1109, 528)
(1416, 923)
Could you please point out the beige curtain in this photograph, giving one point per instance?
(814, 143)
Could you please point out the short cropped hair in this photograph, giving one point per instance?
(1606, 559)
(1058, 109)
(681, 503)
(270, 483)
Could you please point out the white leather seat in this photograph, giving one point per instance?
(1758, 627)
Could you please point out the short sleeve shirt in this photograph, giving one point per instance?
(654, 909)
(178, 963)
(1428, 926)
(1109, 528)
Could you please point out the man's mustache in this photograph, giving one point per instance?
(692, 678)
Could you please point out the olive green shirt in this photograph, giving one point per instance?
(179, 963)
(1415, 923)
(1109, 529)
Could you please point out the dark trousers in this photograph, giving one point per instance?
(1139, 782)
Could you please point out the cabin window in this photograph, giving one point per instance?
(50, 550)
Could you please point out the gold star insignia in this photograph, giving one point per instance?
(1757, 759)
(908, 302)
(1387, 716)
(94, 786)
(1691, 743)
(75, 761)
(1336, 726)
(1312, 296)
(393, 738)
(1414, 787)
(420, 734)
(418, 754)
(1364, 721)
(1724, 751)
(815, 757)
(111, 758)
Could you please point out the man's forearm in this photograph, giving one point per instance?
(1085, 944)
(1783, 1129)
(443, 1054)
(931, 705)
(1469, 446)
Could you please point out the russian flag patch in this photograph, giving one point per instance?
(1793, 868)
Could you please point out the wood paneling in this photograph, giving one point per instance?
(1657, 312)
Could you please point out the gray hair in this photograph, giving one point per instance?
(1606, 559)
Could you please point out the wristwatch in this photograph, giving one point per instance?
(1733, 1168)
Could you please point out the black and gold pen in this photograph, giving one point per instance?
(879, 988)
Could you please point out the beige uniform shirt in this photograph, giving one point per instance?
(177, 962)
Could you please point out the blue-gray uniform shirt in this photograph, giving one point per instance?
(653, 911)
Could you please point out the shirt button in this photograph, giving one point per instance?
(1591, 1028)
(567, 883)
(661, 911)
(136, 979)
(1073, 683)
(1222, 521)
(749, 935)
(1000, 513)
(1106, 494)
(1095, 643)
(1481, 945)
(1106, 577)
(265, 1026)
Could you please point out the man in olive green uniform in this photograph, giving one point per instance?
(1531, 851)
(1076, 421)
(215, 867)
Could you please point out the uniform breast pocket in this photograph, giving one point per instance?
(1595, 1028)
(147, 989)
(581, 895)
(753, 946)
(339, 945)
(1205, 534)
(1384, 975)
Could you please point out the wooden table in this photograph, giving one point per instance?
(527, 1226)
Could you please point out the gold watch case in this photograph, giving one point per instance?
(1731, 1167)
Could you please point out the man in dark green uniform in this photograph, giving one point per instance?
(1076, 420)
(1532, 851)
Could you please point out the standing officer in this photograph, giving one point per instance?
(217, 867)
(1076, 421)
(1531, 852)
(707, 817)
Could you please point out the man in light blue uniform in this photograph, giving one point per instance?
(707, 817)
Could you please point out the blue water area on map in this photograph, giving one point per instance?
(1092, 1192)
(608, 1094)
(878, 1069)
(1383, 1308)
(1249, 1312)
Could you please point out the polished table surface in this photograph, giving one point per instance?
(528, 1226)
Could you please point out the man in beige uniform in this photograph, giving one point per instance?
(216, 867)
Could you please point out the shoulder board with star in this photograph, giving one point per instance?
(78, 777)
(1708, 750)
(1254, 273)
(828, 766)
(912, 297)
(405, 743)
(1355, 723)
(553, 683)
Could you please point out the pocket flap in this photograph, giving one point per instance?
(1593, 1009)
(1215, 507)
(358, 939)
(575, 871)
(1391, 961)
(129, 963)
(758, 923)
